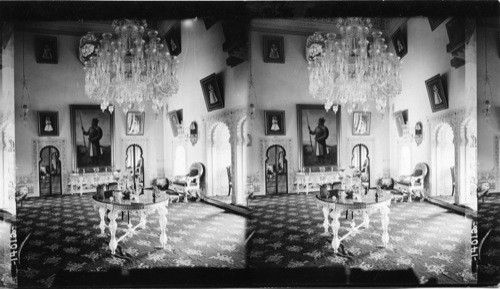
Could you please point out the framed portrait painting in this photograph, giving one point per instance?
(212, 92)
(175, 118)
(92, 137)
(400, 41)
(135, 123)
(437, 96)
(273, 49)
(173, 39)
(318, 137)
(275, 122)
(48, 123)
(361, 122)
(46, 49)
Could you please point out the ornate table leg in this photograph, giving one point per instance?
(143, 220)
(102, 224)
(384, 212)
(326, 223)
(335, 214)
(366, 219)
(162, 211)
(112, 229)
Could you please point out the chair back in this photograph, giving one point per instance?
(421, 169)
(196, 170)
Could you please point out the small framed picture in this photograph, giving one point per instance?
(48, 123)
(135, 123)
(361, 122)
(273, 49)
(173, 116)
(400, 41)
(275, 122)
(212, 91)
(401, 118)
(173, 39)
(46, 49)
(436, 93)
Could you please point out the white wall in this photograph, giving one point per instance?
(54, 87)
(201, 56)
(283, 86)
(426, 57)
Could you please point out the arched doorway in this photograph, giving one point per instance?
(221, 163)
(135, 166)
(276, 170)
(49, 168)
(445, 164)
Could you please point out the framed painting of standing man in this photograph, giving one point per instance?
(92, 137)
(435, 91)
(319, 137)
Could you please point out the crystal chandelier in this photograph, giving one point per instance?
(128, 72)
(350, 70)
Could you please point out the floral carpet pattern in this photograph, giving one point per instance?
(489, 221)
(433, 242)
(64, 237)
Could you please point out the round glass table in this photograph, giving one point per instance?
(370, 203)
(143, 205)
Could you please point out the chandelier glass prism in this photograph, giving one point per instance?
(350, 70)
(129, 72)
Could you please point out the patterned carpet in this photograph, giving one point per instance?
(427, 238)
(489, 219)
(64, 238)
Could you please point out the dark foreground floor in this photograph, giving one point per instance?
(64, 240)
(433, 242)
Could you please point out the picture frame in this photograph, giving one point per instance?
(46, 49)
(274, 122)
(400, 41)
(48, 123)
(135, 123)
(98, 155)
(273, 49)
(361, 123)
(309, 115)
(434, 22)
(173, 40)
(401, 118)
(175, 119)
(437, 95)
(212, 92)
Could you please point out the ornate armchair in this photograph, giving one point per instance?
(415, 182)
(190, 183)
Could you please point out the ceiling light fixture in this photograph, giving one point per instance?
(350, 70)
(128, 71)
